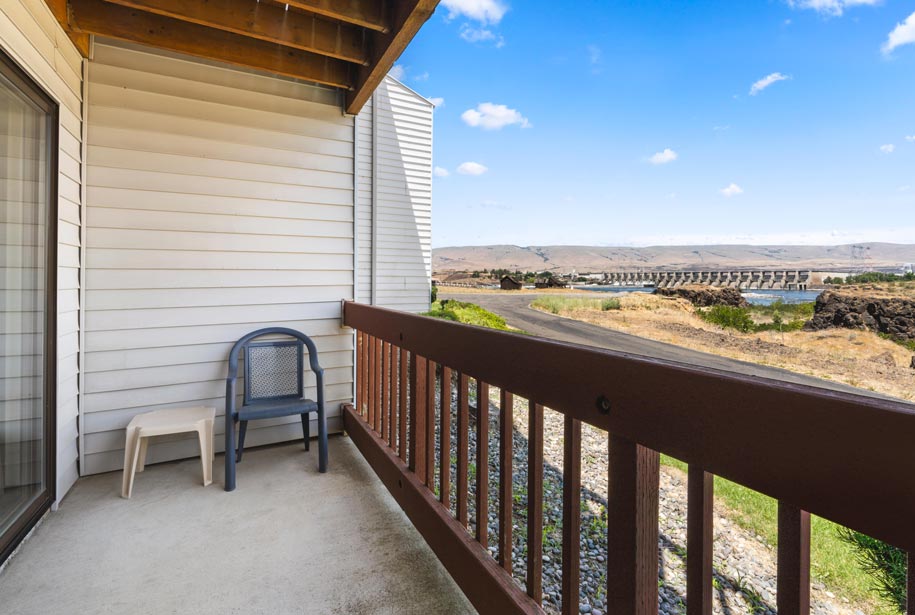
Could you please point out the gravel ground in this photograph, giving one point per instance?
(745, 566)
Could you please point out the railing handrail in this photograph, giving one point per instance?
(847, 458)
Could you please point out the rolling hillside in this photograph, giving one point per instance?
(583, 259)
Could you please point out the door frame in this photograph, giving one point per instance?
(13, 536)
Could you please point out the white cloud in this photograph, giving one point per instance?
(483, 11)
(766, 81)
(910, 138)
(438, 101)
(422, 77)
(471, 168)
(833, 8)
(668, 155)
(476, 35)
(489, 116)
(902, 34)
(889, 148)
(398, 72)
(594, 54)
(905, 188)
(732, 190)
(440, 172)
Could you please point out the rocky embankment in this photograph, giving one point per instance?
(891, 312)
(705, 296)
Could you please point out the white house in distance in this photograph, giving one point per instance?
(174, 177)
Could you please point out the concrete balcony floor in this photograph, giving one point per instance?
(288, 540)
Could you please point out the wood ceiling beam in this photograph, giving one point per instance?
(267, 22)
(407, 17)
(106, 19)
(60, 10)
(366, 13)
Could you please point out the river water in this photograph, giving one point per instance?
(757, 297)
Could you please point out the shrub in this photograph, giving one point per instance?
(885, 564)
(729, 317)
(610, 304)
(467, 313)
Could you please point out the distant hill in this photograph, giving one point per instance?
(593, 259)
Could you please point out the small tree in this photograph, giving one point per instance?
(885, 564)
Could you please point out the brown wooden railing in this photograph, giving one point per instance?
(847, 458)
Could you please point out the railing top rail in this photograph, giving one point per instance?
(845, 457)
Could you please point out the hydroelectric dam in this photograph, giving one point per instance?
(751, 279)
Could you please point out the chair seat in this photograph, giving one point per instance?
(272, 408)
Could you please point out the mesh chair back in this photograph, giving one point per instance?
(273, 370)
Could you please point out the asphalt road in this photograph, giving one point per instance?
(517, 313)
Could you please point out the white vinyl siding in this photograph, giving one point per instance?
(219, 201)
(400, 163)
(30, 34)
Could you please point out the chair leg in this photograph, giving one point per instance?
(141, 462)
(322, 440)
(205, 456)
(230, 453)
(131, 448)
(242, 430)
(306, 429)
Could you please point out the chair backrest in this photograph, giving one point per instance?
(274, 368)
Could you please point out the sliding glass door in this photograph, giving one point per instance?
(28, 146)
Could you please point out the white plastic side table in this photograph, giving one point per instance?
(168, 421)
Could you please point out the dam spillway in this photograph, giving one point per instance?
(757, 279)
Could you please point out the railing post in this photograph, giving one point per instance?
(506, 499)
(482, 464)
(571, 516)
(793, 595)
(535, 502)
(360, 381)
(463, 443)
(385, 392)
(910, 584)
(430, 424)
(444, 461)
(404, 405)
(393, 353)
(417, 461)
(632, 534)
(376, 393)
(699, 541)
(370, 382)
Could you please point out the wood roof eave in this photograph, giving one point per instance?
(349, 44)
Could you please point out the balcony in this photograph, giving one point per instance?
(291, 540)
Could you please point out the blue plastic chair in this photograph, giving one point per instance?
(273, 387)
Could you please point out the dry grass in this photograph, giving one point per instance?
(857, 358)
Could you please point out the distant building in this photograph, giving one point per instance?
(549, 283)
(509, 283)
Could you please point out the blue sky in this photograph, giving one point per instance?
(637, 123)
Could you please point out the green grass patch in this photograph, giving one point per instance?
(833, 560)
(468, 314)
